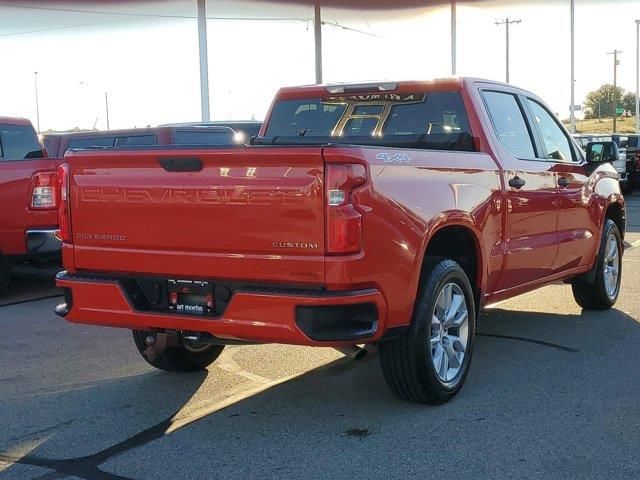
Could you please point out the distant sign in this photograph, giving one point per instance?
(575, 108)
(619, 110)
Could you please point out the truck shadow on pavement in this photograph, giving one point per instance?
(543, 388)
(30, 283)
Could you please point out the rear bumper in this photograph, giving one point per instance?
(300, 318)
(43, 242)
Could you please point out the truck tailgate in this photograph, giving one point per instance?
(234, 213)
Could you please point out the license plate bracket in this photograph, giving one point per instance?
(190, 297)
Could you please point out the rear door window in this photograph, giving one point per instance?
(509, 124)
(19, 142)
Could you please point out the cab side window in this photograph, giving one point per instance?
(556, 143)
(509, 124)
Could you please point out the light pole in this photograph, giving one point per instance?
(317, 35)
(106, 105)
(35, 82)
(573, 70)
(506, 22)
(615, 85)
(637, 77)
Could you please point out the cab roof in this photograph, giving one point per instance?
(448, 83)
(14, 121)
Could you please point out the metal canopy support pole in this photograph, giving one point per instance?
(637, 76)
(317, 30)
(204, 59)
(35, 81)
(454, 31)
(573, 71)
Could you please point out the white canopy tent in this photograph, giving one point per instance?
(268, 9)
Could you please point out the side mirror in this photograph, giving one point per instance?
(602, 152)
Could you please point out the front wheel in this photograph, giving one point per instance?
(602, 293)
(429, 363)
(188, 357)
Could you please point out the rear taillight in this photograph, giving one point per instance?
(344, 221)
(64, 219)
(43, 191)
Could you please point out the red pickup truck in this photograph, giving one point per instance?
(28, 199)
(385, 213)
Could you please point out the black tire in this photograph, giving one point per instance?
(406, 361)
(593, 295)
(5, 275)
(178, 358)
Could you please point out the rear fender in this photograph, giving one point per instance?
(452, 218)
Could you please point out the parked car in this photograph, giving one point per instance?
(29, 216)
(244, 129)
(631, 146)
(620, 163)
(383, 213)
(57, 144)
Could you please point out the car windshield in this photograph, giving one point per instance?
(432, 119)
(19, 142)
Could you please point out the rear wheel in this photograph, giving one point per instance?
(188, 357)
(429, 363)
(602, 293)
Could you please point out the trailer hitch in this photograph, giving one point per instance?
(158, 343)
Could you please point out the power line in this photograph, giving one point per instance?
(52, 29)
(133, 14)
(159, 16)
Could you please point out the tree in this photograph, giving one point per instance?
(629, 102)
(601, 100)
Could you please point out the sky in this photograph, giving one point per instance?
(146, 58)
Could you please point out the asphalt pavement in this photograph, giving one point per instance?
(553, 392)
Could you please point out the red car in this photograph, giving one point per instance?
(29, 213)
(386, 213)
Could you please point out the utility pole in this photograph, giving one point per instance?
(615, 85)
(637, 77)
(35, 81)
(106, 105)
(507, 22)
(573, 65)
(454, 30)
(317, 31)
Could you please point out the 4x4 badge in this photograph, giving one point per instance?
(393, 157)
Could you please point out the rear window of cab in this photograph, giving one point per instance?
(381, 115)
(19, 142)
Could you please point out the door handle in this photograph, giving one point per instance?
(181, 164)
(517, 182)
(563, 182)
